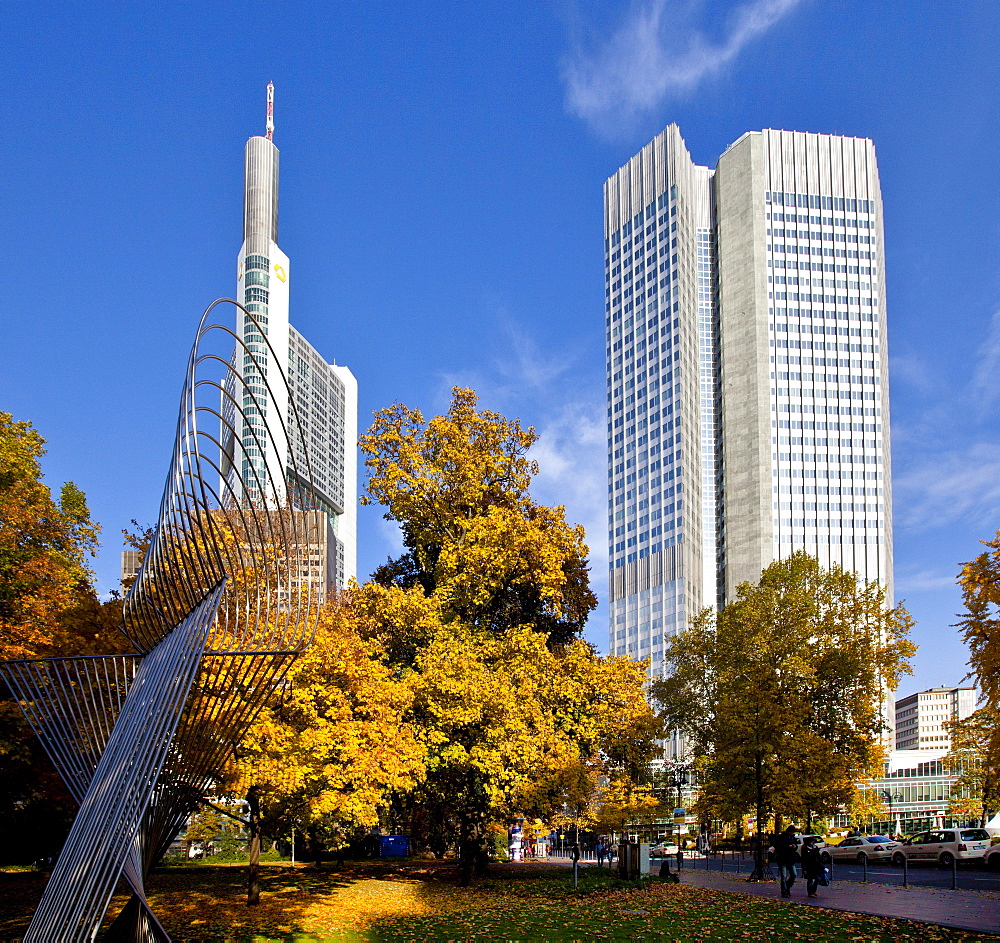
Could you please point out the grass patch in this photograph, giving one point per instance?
(421, 901)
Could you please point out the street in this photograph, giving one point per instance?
(969, 877)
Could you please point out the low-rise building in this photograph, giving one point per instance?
(921, 718)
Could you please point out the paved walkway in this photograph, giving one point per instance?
(978, 911)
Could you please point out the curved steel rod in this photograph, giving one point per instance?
(218, 613)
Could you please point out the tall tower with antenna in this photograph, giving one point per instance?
(325, 396)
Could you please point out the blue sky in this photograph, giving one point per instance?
(441, 183)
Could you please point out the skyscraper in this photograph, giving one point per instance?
(748, 410)
(324, 395)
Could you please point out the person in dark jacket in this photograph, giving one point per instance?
(786, 854)
(812, 865)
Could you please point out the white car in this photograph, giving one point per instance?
(861, 848)
(944, 846)
(992, 858)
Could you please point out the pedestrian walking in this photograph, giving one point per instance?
(602, 852)
(786, 855)
(812, 865)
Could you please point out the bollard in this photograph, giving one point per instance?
(738, 860)
(954, 874)
(576, 875)
(864, 869)
(904, 871)
(722, 861)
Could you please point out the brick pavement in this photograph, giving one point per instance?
(978, 911)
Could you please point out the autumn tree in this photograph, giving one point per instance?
(975, 761)
(44, 544)
(490, 597)
(336, 739)
(458, 487)
(47, 607)
(980, 625)
(781, 693)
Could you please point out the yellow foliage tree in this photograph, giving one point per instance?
(338, 740)
(43, 545)
(975, 760)
(781, 693)
(457, 484)
(622, 804)
(980, 625)
(485, 608)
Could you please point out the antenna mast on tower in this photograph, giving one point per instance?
(270, 111)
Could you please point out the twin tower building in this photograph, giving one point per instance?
(747, 393)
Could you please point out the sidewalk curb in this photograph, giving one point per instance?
(990, 926)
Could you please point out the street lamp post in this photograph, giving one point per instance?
(678, 779)
(886, 796)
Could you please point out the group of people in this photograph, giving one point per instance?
(605, 850)
(787, 855)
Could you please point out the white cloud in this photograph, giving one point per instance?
(923, 581)
(571, 452)
(557, 395)
(950, 486)
(986, 376)
(652, 56)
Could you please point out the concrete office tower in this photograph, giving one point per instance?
(921, 718)
(747, 379)
(325, 395)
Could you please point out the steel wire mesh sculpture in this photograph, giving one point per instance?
(219, 611)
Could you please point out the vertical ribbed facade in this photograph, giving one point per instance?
(805, 391)
(748, 410)
(260, 194)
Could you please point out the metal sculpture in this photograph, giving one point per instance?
(218, 613)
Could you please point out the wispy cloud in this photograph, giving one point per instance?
(572, 461)
(950, 486)
(557, 394)
(985, 384)
(653, 55)
(923, 581)
(948, 472)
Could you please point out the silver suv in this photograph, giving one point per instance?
(944, 846)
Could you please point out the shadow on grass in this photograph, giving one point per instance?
(417, 900)
(206, 903)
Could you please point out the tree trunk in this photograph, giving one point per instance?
(473, 853)
(761, 850)
(315, 846)
(253, 869)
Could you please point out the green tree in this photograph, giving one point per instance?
(781, 694)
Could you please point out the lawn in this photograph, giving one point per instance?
(420, 900)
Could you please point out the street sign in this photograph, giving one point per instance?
(679, 816)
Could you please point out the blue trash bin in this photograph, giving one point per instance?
(394, 846)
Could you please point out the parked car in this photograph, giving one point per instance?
(992, 858)
(861, 848)
(662, 849)
(943, 846)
